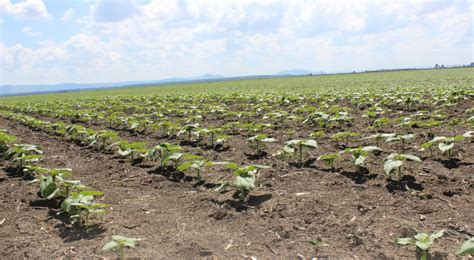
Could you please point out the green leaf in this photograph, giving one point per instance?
(467, 248)
(412, 157)
(310, 143)
(390, 165)
(437, 234)
(372, 149)
(288, 149)
(184, 166)
(405, 241)
(360, 160)
(444, 147)
(423, 241)
(245, 182)
(110, 246)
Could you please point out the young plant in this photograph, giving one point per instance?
(5, 141)
(132, 149)
(163, 152)
(394, 163)
(329, 159)
(257, 143)
(80, 206)
(358, 155)
(119, 243)
(188, 130)
(245, 179)
(344, 136)
(378, 137)
(400, 138)
(422, 241)
(296, 146)
(428, 145)
(23, 155)
(197, 166)
(467, 248)
(446, 144)
(53, 182)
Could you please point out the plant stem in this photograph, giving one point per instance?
(122, 255)
(301, 154)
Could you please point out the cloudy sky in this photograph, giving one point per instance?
(54, 41)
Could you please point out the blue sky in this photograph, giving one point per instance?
(53, 41)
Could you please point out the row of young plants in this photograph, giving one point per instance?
(169, 157)
(168, 115)
(76, 200)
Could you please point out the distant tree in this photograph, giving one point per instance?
(472, 64)
(442, 66)
(436, 66)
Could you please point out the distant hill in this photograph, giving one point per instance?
(294, 72)
(7, 90)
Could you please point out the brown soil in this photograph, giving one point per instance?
(356, 214)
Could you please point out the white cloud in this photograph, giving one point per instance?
(159, 39)
(29, 31)
(68, 15)
(25, 9)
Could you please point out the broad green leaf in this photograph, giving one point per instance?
(405, 241)
(360, 160)
(310, 143)
(444, 147)
(245, 182)
(412, 157)
(372, 149)
(390, 165)
(111, 245)
(467, 248)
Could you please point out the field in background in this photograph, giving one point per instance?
(318, 83)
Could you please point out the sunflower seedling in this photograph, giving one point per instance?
(360, 154)
(119, 243)
(258, 142)
(329, 159)
(422, 241)
(245, 179)
(394, 163)
(296, 146)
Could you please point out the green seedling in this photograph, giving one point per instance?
(245, 179)
(394, 162)
(296, 146)
(5, 141)
(446, 144)
(119, 243)
(360, 154)
(258, 142)
(422, 241)
(81, 206)
(330, 159)
(399, 138)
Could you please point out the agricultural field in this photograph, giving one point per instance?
(345, 166)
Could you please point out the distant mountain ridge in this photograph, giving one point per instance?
(6, 90)
(296, 72)
(10, 90)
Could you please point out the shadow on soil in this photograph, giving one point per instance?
(359, 177)
(407, 182)
(253, 201)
